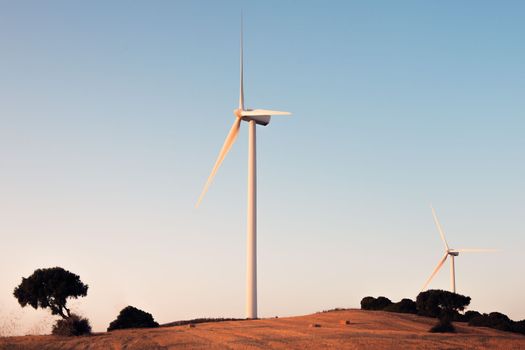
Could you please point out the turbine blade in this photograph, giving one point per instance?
(241, 93)
(262, 112)
(438, 267)
(228, 143)
(475, 250)
(442, 234)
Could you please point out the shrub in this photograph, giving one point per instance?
(443, 326)
(131, 317)
(469, 315)
(500, 321)
(371, 303)
(367, 302)
(518, 327)
(71, 326)
(480, 321)
(495, 320)
(406, 306)
(382, 302)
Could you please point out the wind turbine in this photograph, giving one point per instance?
(452, 253)
(253, 117)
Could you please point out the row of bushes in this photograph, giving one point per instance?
(445, 306)
(406, 305)
(497, 320)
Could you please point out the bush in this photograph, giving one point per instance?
(498, 321)
(71, 326)
(382, 302)
(131, 317)
(495, 320)
(371, 303)
(469, 315)
(518, 327)
(406, 306)
(367, 302)
(443, 326)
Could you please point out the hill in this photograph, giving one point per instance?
(367, 330)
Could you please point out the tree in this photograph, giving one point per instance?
(382, 302)
(495, 320)
(442, 304)
(371, 303)
(469, 315)
(406, 306)
(131, 317)
(367, 303)
(519, 327)
(50, 288)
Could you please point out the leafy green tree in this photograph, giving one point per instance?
(50, 288)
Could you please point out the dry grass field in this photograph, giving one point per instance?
(366, 330)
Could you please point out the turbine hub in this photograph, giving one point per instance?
(237, 112)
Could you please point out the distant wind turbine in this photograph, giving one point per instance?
(452, 253)
(252, 117)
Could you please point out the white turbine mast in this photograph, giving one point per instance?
(452, 253)
(253, 117)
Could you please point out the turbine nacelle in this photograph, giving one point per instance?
(259, 119)
(452, 252)
(259, 116)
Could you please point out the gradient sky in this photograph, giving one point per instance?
(112, 115)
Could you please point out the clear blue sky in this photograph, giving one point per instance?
(112, 114)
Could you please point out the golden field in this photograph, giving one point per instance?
(366, 330)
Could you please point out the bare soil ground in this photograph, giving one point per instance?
(366, 330)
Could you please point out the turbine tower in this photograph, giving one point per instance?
(452, 253)
(253, 117)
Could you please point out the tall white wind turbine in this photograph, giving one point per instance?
(253, 117)
(452, 253)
